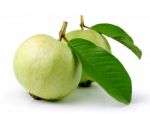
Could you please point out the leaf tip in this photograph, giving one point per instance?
(140, 55)
(128, 98)
(127, 101)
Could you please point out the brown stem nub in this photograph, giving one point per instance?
(82, 25)
(35, 97)
(85, 84)
(63, 31)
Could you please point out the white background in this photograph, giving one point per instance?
(20, 19)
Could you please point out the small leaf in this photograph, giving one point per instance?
(118, 34)
(104, 68)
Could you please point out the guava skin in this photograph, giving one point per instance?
(94, 37)
(46, 67)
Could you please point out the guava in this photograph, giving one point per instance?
(95, 38)
(46, 68)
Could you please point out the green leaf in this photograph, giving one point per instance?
(118, 34)
(104, 68)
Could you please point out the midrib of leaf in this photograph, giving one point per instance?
(119, 35)
(102, 77)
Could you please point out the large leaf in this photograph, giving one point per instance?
(118, 34)
(104, 68)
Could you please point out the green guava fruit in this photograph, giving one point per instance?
(94, 37)
(46, 68)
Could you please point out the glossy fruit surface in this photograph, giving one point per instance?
(46, 67)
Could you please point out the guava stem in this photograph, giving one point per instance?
(82, 25)
(63, 31)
